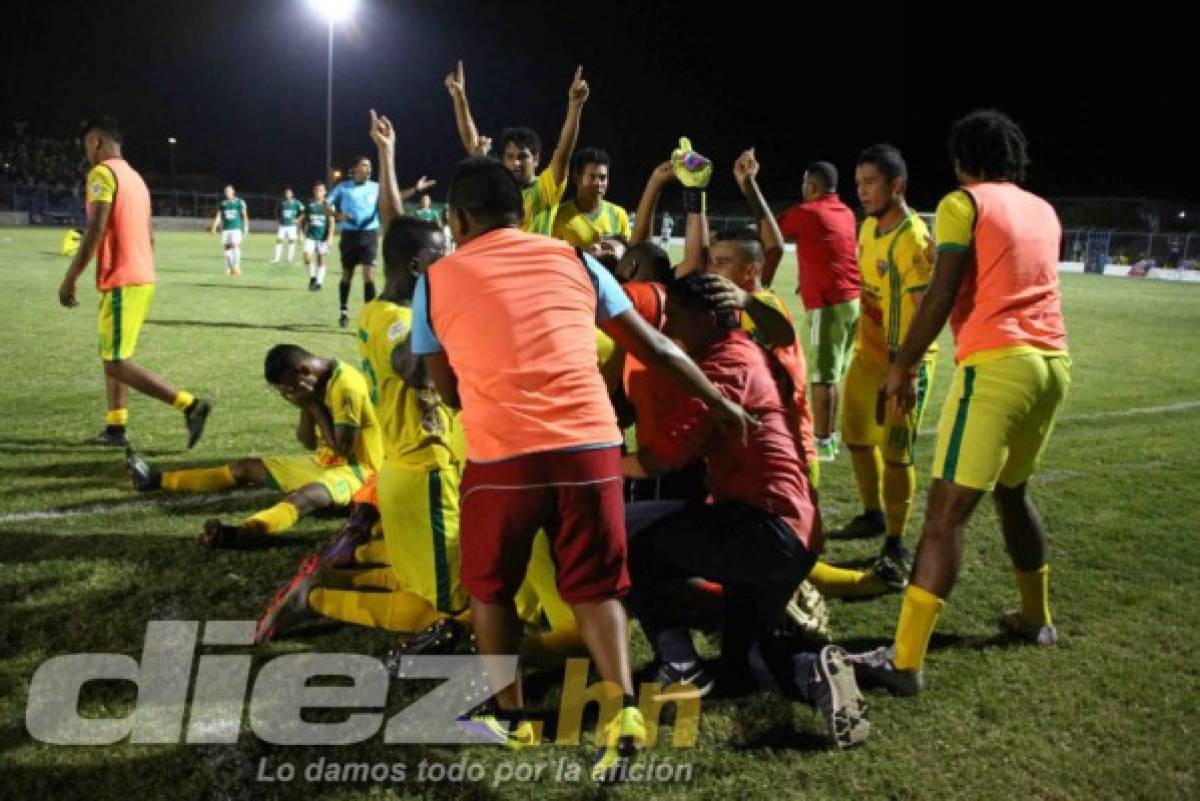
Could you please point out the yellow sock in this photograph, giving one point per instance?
(203, 479)
(899, 487)
(838, 582)
(400, 611)
(379, 579)
(116, 417)
(1035, 596)
(918, 615)
(279, 517)
(868, 465)
(371, 553)
(182, 401)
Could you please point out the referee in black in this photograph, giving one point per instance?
(356, 203)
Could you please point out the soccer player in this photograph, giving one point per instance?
(318, 224)
(287, 212)
(356, 203)
(588, 219)
(521, 151)
(895, 274)
(823, 228)
(234, 222)
(759, 538)
(120, 237)
(668, 225)
(337, 422)
(546, 458)
(427, 212)
(996, 281)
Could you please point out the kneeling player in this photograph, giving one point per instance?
(337, 421)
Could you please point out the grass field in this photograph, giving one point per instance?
(84, 565)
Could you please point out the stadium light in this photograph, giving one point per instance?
(1182, 215)
(333, 11)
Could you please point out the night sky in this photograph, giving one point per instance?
(242, 86)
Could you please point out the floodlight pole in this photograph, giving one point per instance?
(329, 109)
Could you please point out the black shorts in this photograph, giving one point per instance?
(358, 247)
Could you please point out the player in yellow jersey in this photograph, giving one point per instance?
(521, 151)
(586, 220)
(896, 271)
(337, 422)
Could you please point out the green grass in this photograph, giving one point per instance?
(1110, 713)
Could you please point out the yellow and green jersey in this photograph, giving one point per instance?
(348, 399)
(419, 430)
(233, 215)
(895, 270)
(583, 229)
(541, 199)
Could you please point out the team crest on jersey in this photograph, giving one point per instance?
(97, 188)
(397, 330)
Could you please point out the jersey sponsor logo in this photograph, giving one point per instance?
(397, 330)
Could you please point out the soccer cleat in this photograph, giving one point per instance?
(827, 449)
(677, 680)
(221, 536)
(866, 525)
(356, 532)
(142, 476)
(895, 551)
(489, 729)
(806, 614)
(875, 669)
(195, 416)
(889, 574)
(344, 318)
(111, 437)
(692, 169)
(835, 693)
(440, 638)
(290, 604)
(312, 284)
(1045, 636)
(620, 740)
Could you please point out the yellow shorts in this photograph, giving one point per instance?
(290, 473)
(897, 435)
(122, 311)
(998, 417)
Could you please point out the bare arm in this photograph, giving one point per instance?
(92, 235)
(647, 208)
(390, 198)
(245, 219)
(746, 173)
(306, 430)
(695, 246)
(442, 374)
(216, 220)
(560, 162)
(421, 185)
(456, 85)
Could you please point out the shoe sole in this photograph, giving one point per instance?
(848, 724)
(194, 433)
(268, 624)
(687, 692)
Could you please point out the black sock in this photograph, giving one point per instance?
(344, 294)
(629, 700)
(114, 429)
(368, 291)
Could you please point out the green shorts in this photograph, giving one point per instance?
(832, 340)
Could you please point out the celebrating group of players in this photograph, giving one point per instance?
(484, 446)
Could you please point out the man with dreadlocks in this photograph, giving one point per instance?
(996, 280)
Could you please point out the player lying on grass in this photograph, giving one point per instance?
(337, 422)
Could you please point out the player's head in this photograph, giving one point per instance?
(737, 255)
(361, 171)
(319, 190)
(589, 168)
(691, 317)
(988, 146)
(288, 194)
(880, 176)
(820, 178)
(292, 370)
(230, 194)
(426, 201)
(520, 151)
(483, 197)
(409, 247)
(101, 138)
(645, 261)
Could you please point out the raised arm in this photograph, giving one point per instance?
(647, 208)
(421, 185)
(456, 85)
(745, 171)
(577, 95)
(391, 200)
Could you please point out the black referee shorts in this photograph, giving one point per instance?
(358, 247)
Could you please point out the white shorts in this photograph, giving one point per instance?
(287, 232)
(313, 246)
(231, 238)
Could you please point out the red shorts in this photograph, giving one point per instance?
(575, 496)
